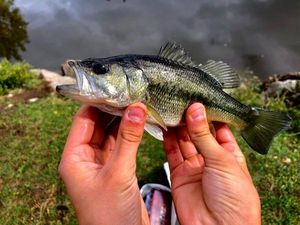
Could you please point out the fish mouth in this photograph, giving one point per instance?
(68, 90)
(71, 90)
(82, 90)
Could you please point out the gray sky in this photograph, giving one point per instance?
(262, 34)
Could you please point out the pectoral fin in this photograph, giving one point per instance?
(154, 131)
(156, 117)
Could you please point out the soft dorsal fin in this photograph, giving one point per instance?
(175, 52)
(223, 73)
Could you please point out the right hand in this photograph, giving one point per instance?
(210, 180)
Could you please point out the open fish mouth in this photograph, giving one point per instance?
(82, 86)
(82, 90)
(71, 90)
(68, 90)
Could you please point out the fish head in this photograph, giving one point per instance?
(99, 81)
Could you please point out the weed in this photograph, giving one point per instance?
(17, 75)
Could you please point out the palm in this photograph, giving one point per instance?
(189, 172)
(187, 178)
(92, 156)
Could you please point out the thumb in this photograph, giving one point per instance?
(129, 137)
(200, 134)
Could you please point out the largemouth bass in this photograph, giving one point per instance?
(167, 84)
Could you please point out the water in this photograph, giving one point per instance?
(263, 35)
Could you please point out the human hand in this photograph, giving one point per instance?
(98, 167)
(210, 180)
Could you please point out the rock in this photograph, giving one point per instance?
(287, 85)
(31, 100)
(277, 87)
(286, 160)
(9, 106)
(53, 79)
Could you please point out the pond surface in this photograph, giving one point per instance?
(263, 35)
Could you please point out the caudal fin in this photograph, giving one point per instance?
(264, 126)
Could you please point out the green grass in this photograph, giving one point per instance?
(33, 136)
(32, 139)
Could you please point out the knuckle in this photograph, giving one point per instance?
(200, 134)
(240, 158)
(64, 168)
(172, 150)
(184, 136)
(61, 169)
(130, 135)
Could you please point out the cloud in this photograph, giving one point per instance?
(239, 32)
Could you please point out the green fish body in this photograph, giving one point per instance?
(168, 83)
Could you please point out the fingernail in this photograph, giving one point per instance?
(197, 114)
(136, 114)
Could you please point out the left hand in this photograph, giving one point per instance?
(98, 167)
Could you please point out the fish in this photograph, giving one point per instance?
(168, 83)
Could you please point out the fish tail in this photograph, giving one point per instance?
(264, 126)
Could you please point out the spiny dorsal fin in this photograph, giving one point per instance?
(223, 73)
(175, 52)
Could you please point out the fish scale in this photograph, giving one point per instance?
(167, 84)
(171, 112)
(186, 86)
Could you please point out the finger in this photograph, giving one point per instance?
(187, 147)
(82, 128)
(129, 137)
(108, 145)
(77, 147)
(227, 140)
(97, 136)
(99, 129)
(103, 153)
(111, 136)
(200, 134)
(212, 129)
(172, 149)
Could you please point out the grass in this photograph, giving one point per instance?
(33, 136)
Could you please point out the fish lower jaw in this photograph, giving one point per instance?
(72, 91)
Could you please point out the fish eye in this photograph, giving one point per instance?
(100, 69)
